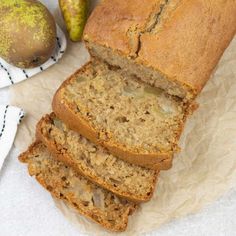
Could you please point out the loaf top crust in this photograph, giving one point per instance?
(181, 39)
(117, 24)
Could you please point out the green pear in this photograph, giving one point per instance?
(75, 14)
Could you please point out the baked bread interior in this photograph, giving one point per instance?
(134, 121)
(88, 199)
(94, 162)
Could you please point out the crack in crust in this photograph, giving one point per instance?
(153, 21)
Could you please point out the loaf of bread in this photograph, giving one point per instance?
(134, 121)
(118, 119)
(88, 199)
(171, 44)
(94, 162)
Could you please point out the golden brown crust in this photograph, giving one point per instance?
(64, 111)
(121, 19)
(23, 157)
(62, 155)
(184, 45)
(190, 41)
(69, 198)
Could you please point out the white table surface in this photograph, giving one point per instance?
(19, 217)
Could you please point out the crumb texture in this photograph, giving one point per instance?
(90, 200)
(95, 162)
(125, 110)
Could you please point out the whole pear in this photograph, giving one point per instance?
(27, 33)
(75, 15)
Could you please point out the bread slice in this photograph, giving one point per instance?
(88, 199)
(172, 44)
(134, 121)
(94, 162)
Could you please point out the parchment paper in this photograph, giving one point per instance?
(202, 172)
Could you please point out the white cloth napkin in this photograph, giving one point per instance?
(10, 74)
(10, 117)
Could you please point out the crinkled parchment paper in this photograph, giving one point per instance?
(202, 172)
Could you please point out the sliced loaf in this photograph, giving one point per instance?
(172, 44)
(134, 121)
(88, 199)
(95, 163)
